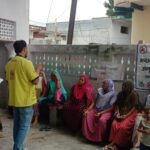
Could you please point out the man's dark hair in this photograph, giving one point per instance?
(19, 45)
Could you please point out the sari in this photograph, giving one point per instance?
(80, 99)
(94, 127)
(41, 90)
(124, 119)
(49, 101)
(56, 94)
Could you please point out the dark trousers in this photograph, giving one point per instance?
(1, 127)
(44, 117)
(10, 110)
(144, 147)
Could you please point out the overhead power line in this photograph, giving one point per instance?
(49, 11)
(102, 3)
(67, 8)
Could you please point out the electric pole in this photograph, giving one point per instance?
(71, 21)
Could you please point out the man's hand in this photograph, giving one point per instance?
(144, 131)
(39, 68)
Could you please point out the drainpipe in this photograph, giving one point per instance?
(10, 49)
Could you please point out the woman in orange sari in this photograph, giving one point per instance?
(124, 118)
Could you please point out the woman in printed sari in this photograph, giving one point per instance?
(124, 118)
(41, 87)
(56, 96)
(41, 90)
(80, 100)
(95, 121)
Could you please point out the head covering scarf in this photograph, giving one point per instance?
(105, 100)
(53, 86)
(127, 98)
(129, 87)
(80, 90)
(147, 102)
(126, 94)
(110, 85)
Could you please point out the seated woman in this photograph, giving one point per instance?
(56, 92)
(95, 122)
(41, 87)
(56, 96)
(41, 90)
(80, 100)
(124, 118)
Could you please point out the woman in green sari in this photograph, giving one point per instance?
(56, 91)
(55, 97)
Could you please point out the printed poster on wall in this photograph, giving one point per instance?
(114, 72)
(142, 77)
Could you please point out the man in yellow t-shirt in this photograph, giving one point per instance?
(22, 78)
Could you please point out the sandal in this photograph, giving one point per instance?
(106, 147)
(109, 147)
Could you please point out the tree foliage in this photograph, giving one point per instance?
(110, 8)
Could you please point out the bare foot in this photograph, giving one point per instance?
(110, 146)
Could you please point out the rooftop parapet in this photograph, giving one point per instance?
(127, 3)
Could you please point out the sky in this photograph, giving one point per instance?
(45, 11)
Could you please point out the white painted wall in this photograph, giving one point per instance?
(98, 30)
(92, 31)
(18, 11)
(116, 36)
(140, 25)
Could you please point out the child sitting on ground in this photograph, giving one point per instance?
(143, 135)
(144, 127)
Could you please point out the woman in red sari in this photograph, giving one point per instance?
(80, 100)
(124, 119)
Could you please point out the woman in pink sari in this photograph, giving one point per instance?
(95, 121)
(80, 100)
(124, 118)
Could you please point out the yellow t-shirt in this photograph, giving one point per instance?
(20, 73)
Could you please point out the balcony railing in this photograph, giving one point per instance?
(126, 3)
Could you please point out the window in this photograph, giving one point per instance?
(124, 30)
(64, 37)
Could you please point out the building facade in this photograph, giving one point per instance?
(140, 18)
(14, 25)
(37, 34)
(97, 30)
(16, 11)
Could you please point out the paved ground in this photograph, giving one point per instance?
(56, 139)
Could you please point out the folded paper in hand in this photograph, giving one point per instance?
(1, 80)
